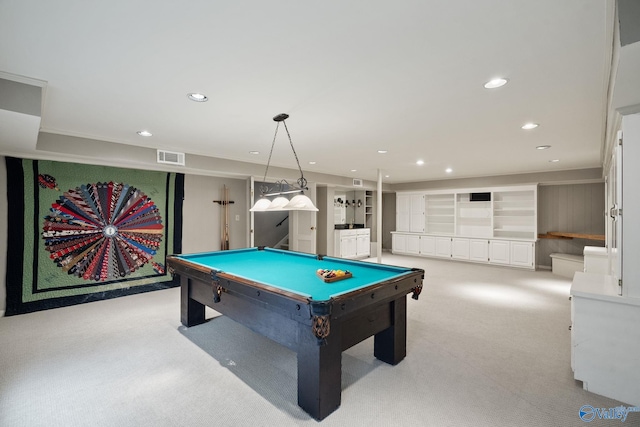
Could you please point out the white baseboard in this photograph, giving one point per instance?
(1, 313)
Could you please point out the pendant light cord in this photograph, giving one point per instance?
(302, 182)
(271, 152)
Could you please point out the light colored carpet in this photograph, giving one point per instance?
(487, 346)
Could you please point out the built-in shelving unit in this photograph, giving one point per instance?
(440, 213)
(514, 214)
(473, 218)
(495, 225)
(368, 209)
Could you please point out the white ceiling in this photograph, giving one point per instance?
(355, 77)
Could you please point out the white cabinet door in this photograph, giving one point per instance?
(479, 250)
(413, 244)
(351, 244)
(499, 251)
(460, 248)
(399, 243)
(363, 246)
(403, 212)
(522, 254)
(427, 245)
(443, 247)
(417, 220)
(346, 243)
(344, 247)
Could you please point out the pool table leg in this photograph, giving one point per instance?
(319, 372)
(390, 345)
(191, 311)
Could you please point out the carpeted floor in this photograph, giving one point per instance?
(487, 346)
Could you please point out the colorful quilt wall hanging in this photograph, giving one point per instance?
(80, 233)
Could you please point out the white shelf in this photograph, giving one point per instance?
(440, 213)
(368, 208)
(514, 214)
(473, 218)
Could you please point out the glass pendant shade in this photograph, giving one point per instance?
(300, 203)
(261, 205)
(278, 204)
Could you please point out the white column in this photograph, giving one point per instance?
(379, 218)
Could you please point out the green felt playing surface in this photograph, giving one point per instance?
(295, 272)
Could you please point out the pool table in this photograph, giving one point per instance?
(278, 294)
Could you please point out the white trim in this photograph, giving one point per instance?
(518, 187)
(23, 79)
(579, 181)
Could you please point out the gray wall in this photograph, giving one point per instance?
(202, 218)
(575, 208)
(388, 219)
(84, 150)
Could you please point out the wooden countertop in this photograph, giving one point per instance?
(564, 235)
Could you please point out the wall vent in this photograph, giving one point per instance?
(357, 182)
(170, 157)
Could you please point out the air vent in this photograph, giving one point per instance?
(357, 182)
(170, 157)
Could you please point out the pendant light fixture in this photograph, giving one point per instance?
(281, 188)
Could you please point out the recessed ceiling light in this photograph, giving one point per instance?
(543, 147)
(420, 162)
(554, 161)
(312, 163)
(448, 170)
(144, 133)
(386, 176)
(354, 170)
(382, 151)
(528, 126)
(254, 152)
(197, 97)
(495, 83)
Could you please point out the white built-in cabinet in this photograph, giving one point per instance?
(500, 251)
(605, 300)
(495, 225)
(353, 243)
(522, 254)
(427, 244)
(410, 212)
(460, 248)
(478, 250)
(439, 213)
(470, 249)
